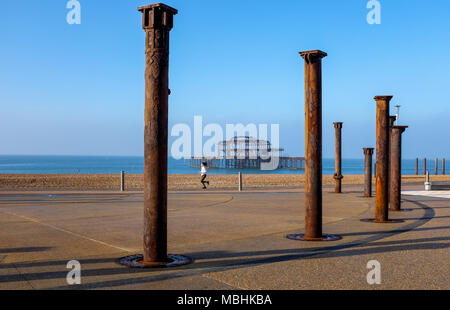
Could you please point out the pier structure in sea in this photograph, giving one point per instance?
(247, 153)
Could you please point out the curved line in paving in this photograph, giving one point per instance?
(60, 200)
(208, 205)
(197, 269)
(218, 203)
(120, 198)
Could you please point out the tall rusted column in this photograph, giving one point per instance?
(417, 166)
(313, 148)
(338, 157)
(368, 152)
(435, 166)
(313, 143)
(391, 124)
(382, 158)
(424, 166)
(157, 23)
(392, 119)
(396, 167)
(443, 166)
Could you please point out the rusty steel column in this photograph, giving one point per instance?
(313, 149)
(435, 166)
(368, 152)
(382, 160)
(313, 143)
(338, 157)
(443, 166)
(396, 167)
(417, 166)
(157, 21)
(391, 124)
(424, 166)
(392, 119)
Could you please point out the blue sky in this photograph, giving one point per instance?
(79, 89)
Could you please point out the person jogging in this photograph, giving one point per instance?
(203, 174)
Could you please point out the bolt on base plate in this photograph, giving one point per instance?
(382, 222)
(301, 237)
(136, 261)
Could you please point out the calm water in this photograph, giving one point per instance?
(114, 164)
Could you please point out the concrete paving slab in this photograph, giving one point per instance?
(237, 241)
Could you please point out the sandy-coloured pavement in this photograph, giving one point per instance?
(236, 238)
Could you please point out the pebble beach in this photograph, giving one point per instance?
(175, 181)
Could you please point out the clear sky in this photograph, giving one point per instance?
(79, 89)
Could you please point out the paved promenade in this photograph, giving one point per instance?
(237, 241)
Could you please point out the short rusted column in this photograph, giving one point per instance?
(435, 166)
(338, 157)
(368, 152)
(392, 119)
(157, 23)
(417, 166)
(424, 166)
(443, 166)
(396, 167)
(382, 159)
(313, 148)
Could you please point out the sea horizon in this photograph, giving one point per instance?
(110, 164)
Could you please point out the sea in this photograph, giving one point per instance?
(27, 164)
